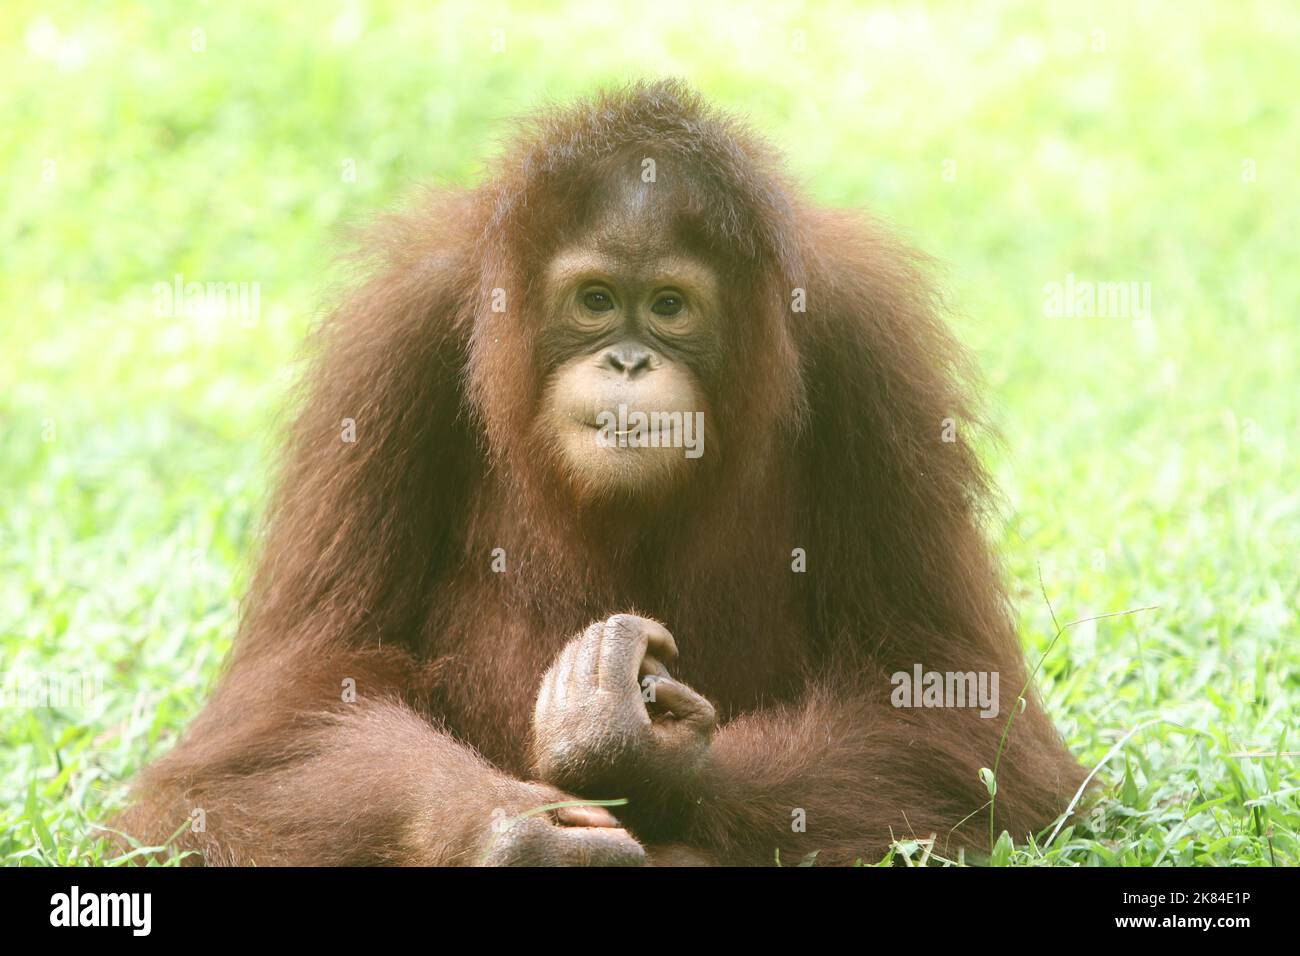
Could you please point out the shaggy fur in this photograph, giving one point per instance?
(825, 434)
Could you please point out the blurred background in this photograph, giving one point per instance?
(1110, 189)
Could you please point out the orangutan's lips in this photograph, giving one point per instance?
(613, 433)
(596, 426)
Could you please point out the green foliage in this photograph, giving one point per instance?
(1144, 462)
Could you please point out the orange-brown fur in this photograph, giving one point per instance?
(376, 563)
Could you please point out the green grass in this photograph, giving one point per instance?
(1144, 462)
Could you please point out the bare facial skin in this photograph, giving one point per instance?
(624, 409)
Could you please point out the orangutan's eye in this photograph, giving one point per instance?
(667, 305)
(597, 300)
